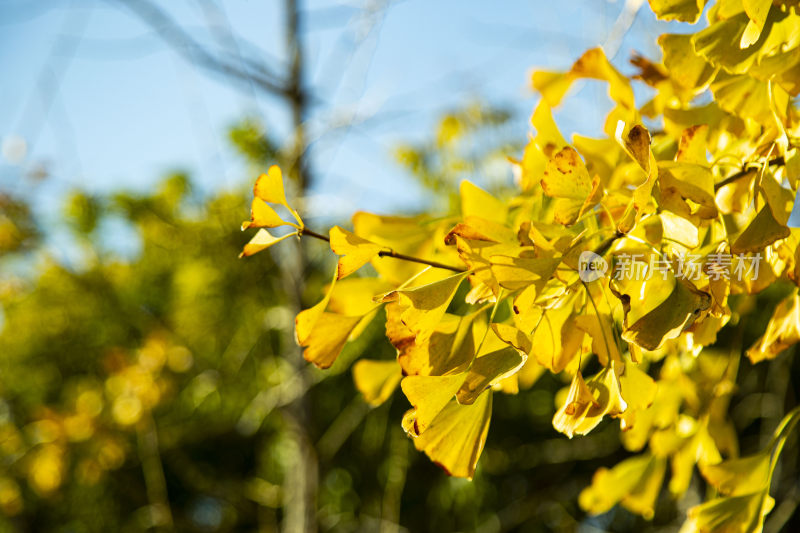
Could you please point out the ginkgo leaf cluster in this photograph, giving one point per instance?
(490, 298)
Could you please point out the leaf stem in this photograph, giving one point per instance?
(390, 253)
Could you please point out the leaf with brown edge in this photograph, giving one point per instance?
(578, 402)
(636, 142)
(428, 395)
(424, 306)
(321, 333)
(261, 241)
(687, 190)
(692, 146)
(567, 180)
(376, 380)
(327, 338)
(455, 438)
(355, 251)
(450, 348)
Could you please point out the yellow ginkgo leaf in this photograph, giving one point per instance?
(594, 64)
(682, 10)
(739, 476)
(514, 337)
(782, 331)
(520, 272)
(263, 216)
(323, 334)
(261, 241)
(424, 306)
(355, 251)
(779, 199)
(636, 142)
(269, 188)
(762, 231)
(477, 202)
(527, 314)
(608, 401)
(601, 330)
(734, 514)
(757, 11)
(456, 436)
(556, 340)
(488, 370)
(551, 85)
(639, 392)
(449, 349)
(578, 402)
(634, 482)
(657, 310)
(692, 146)
(567, 180)
(327, 338)
(687, 69)
(376, 380)
(428, 395)
(686, 189)
(697, 446)
(679, 230)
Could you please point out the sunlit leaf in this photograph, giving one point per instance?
(261, 241)
(782, 331)
(428, 395)
(355, 252)
(456, 436)
(477, 202)
(376, 380)
(682, 10)
(567, 180)
(488, 370)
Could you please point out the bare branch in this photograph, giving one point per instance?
(255, 72)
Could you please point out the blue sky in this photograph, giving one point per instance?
(104, 103)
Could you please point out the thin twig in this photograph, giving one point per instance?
(183, 43)
(747, 169)
(390, 253)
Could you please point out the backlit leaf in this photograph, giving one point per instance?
(355, 251)
(567, 180)
(376, 380)
(456, 436)
(261, 241)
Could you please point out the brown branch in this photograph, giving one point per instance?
(391, 253)
(746, 169)
(171, 32)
